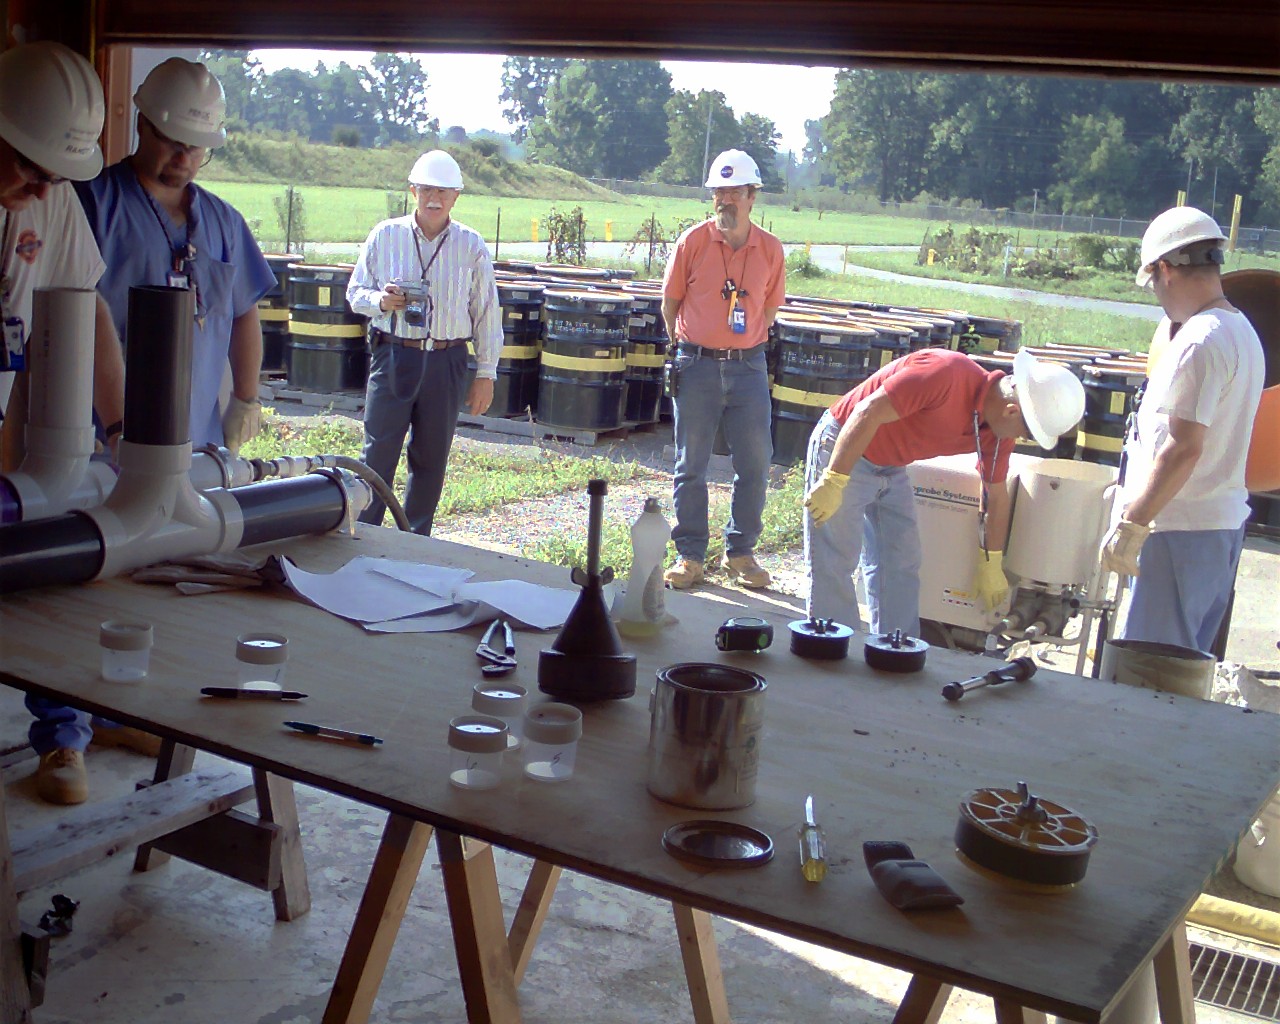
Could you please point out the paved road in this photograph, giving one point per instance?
(831, 257)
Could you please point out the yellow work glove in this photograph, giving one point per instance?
(240, 422)
(823, 501)
(989, 581)
(1121, 548)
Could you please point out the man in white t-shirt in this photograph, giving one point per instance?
(1183, 501)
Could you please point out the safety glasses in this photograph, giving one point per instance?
(33, 173)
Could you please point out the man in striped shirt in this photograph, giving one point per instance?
(427, 284)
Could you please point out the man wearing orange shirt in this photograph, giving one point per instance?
(720, 294)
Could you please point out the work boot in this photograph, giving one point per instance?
(746, 570)
(683, 574)
(61, 778)
(127, 738)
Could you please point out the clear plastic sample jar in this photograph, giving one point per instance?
(551, 733)
(505, 701)
(261, 659)
(476, 746)
(126, 650)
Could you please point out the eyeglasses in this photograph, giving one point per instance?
(35, 174)
(179, 148)
(737, 192)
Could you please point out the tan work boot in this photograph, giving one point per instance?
(683, 574)
(127, 738)
(61, 778)
(746, 570)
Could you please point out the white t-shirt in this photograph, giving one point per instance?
(1210, 373)
(48, 244)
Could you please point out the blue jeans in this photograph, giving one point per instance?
(1184, 587)
(57, 727)
(419, 393)
(877, 523)
(707, 392)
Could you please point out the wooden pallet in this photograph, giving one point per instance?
(525, 427)
(345, 401)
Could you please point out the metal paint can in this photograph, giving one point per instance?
(1155, 666)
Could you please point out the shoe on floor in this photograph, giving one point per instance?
(61, 778)
(746, 570)
(127, 738)
(683, 574)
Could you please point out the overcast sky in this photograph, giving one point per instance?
(464, 88)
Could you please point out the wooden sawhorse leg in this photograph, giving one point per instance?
(15, 997)
(701, 965)
(924, 1002)
(270, 855)
(1174, 991)
(382, 907)
(1008, 1012)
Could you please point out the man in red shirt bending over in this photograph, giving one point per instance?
(859, 500)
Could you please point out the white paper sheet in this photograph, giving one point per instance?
(363, 590)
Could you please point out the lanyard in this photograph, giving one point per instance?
(983, 479)
(417, 245)
(183, 257)
(731, 291)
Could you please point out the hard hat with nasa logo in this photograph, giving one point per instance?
(185, 102)
(51, 108)
(1174, 230)
(436, 169)
(732, 167)
(1050, 396)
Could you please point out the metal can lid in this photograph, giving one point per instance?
(553, 724)
(122, 635)
(478, 734)
(262, 648)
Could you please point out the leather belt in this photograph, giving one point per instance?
(719, 353)
(421, 344)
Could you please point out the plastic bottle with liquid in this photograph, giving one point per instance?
(643, 611)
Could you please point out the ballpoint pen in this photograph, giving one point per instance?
(334, 734)
(813, 854)
(248, 693)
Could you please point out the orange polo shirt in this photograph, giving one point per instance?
(696, 275)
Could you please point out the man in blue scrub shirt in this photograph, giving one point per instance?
(155, 226)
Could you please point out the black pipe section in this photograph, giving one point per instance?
(279, 509)
(49, 552)
(157, 381)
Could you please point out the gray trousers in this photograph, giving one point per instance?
(418, 393)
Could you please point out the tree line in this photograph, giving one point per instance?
(1074, 145)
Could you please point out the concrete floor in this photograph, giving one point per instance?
(183, 946)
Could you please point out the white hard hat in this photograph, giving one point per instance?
(437, 169)
(51, 108)
(732, 167)
(185, 102)
(1172, 230)
(1050, 396)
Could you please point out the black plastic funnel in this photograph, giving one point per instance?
(586, 662)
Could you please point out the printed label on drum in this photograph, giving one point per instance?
(535, 314)
(886, 356)
(1117, 403)
(322, 296)
(637, 321)
(829, 339)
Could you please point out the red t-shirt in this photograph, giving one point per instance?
(696, 275)
(935, 392)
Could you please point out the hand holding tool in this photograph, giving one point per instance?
(500, 663)
(813, 851)
(1017, 671)
(1121, 548)
(989, 581)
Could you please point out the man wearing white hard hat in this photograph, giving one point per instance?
(51, 113)
(1183, 503)
(426, 282)
(859, 501)
(156, 226)
(720, 293)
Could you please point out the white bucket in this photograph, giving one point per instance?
(1061, 512)
(1258, 855)
(1165, 667)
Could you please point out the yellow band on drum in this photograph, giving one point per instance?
(1099, 443)
(519, 352)
(795, 396)
(583, 365)
(326, 330)
(635, 359)
(272, 313)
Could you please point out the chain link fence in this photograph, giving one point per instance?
(1253, 239)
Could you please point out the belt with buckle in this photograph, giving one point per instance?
(719, 353)
(421, 344)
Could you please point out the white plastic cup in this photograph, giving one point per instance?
(504, 701)
(476, 746)
(551, 733)
(261, 659)
(126, 650)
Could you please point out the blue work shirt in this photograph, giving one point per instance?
(137, 239)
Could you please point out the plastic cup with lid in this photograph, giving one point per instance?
(261, 659)
(476, 746)
(551, 733)
(505, 701)
(126, 650)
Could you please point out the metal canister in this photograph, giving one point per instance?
(704, 735)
